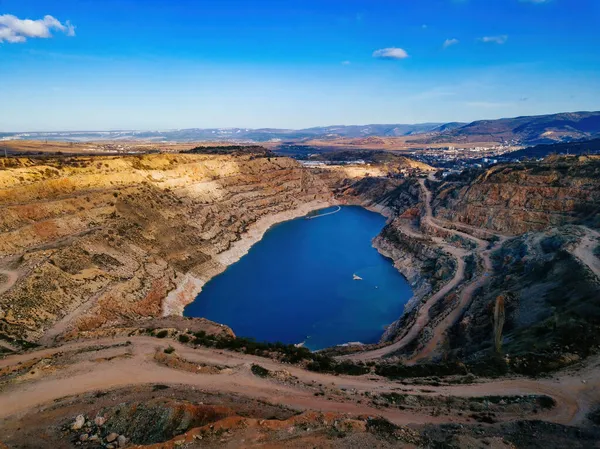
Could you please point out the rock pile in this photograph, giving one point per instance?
(93, 433)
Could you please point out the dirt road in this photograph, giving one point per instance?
(94, 368)
(584, 251)
(423, 315)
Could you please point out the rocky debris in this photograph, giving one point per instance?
(99, 421)
(78, 423)
(95, 432)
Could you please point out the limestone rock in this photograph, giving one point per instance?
(99, 420)
(79, 422)
(122, 441)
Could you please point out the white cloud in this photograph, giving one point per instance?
(390, 53)
(346, 63)
(450, 42)
(495, 39)
(14, 30)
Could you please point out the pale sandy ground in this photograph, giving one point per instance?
(8, 279)
(574, 393)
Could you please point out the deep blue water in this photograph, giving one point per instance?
(296, 284)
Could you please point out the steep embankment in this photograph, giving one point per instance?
(103, 240)
(543, 284)
(548, 291)
(519, 198)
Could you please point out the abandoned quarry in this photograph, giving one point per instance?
(474, 302)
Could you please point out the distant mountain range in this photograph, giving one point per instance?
(234, 134)
(564, 127)
(533, 130)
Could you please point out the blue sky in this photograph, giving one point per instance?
(161, 64)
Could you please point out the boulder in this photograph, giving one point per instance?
(79, 422)
(122, 441)
(112, 437)
(99, 420)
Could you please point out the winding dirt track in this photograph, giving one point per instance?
(423, 315)
(584, 251)
(467, 293)
(89, 371)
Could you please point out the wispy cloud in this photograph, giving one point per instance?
(390, 53)
(346, 63)
(535, 1)
(14, 30)
(495, 39)
(450, 42)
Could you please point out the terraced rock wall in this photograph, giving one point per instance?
(518, 198)
(97, 241)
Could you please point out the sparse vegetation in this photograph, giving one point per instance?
(162, 334)
(259, 371)
(183, 338)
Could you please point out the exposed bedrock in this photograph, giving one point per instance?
(550, 295)
(514, 199)
(91, 242)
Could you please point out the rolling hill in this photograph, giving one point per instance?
(534, 130)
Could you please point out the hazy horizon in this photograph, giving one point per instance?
(440, 123)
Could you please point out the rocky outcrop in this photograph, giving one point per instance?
(550, 305)
(102, 240)
(514, 199)
(424, 265)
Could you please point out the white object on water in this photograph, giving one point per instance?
(356, 277)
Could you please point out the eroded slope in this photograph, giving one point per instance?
(95, 241)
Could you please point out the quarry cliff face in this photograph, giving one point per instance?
(518, 198)
(90, 242)
(539, 218)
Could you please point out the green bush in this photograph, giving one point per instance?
(184, 338)
(259, 371)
